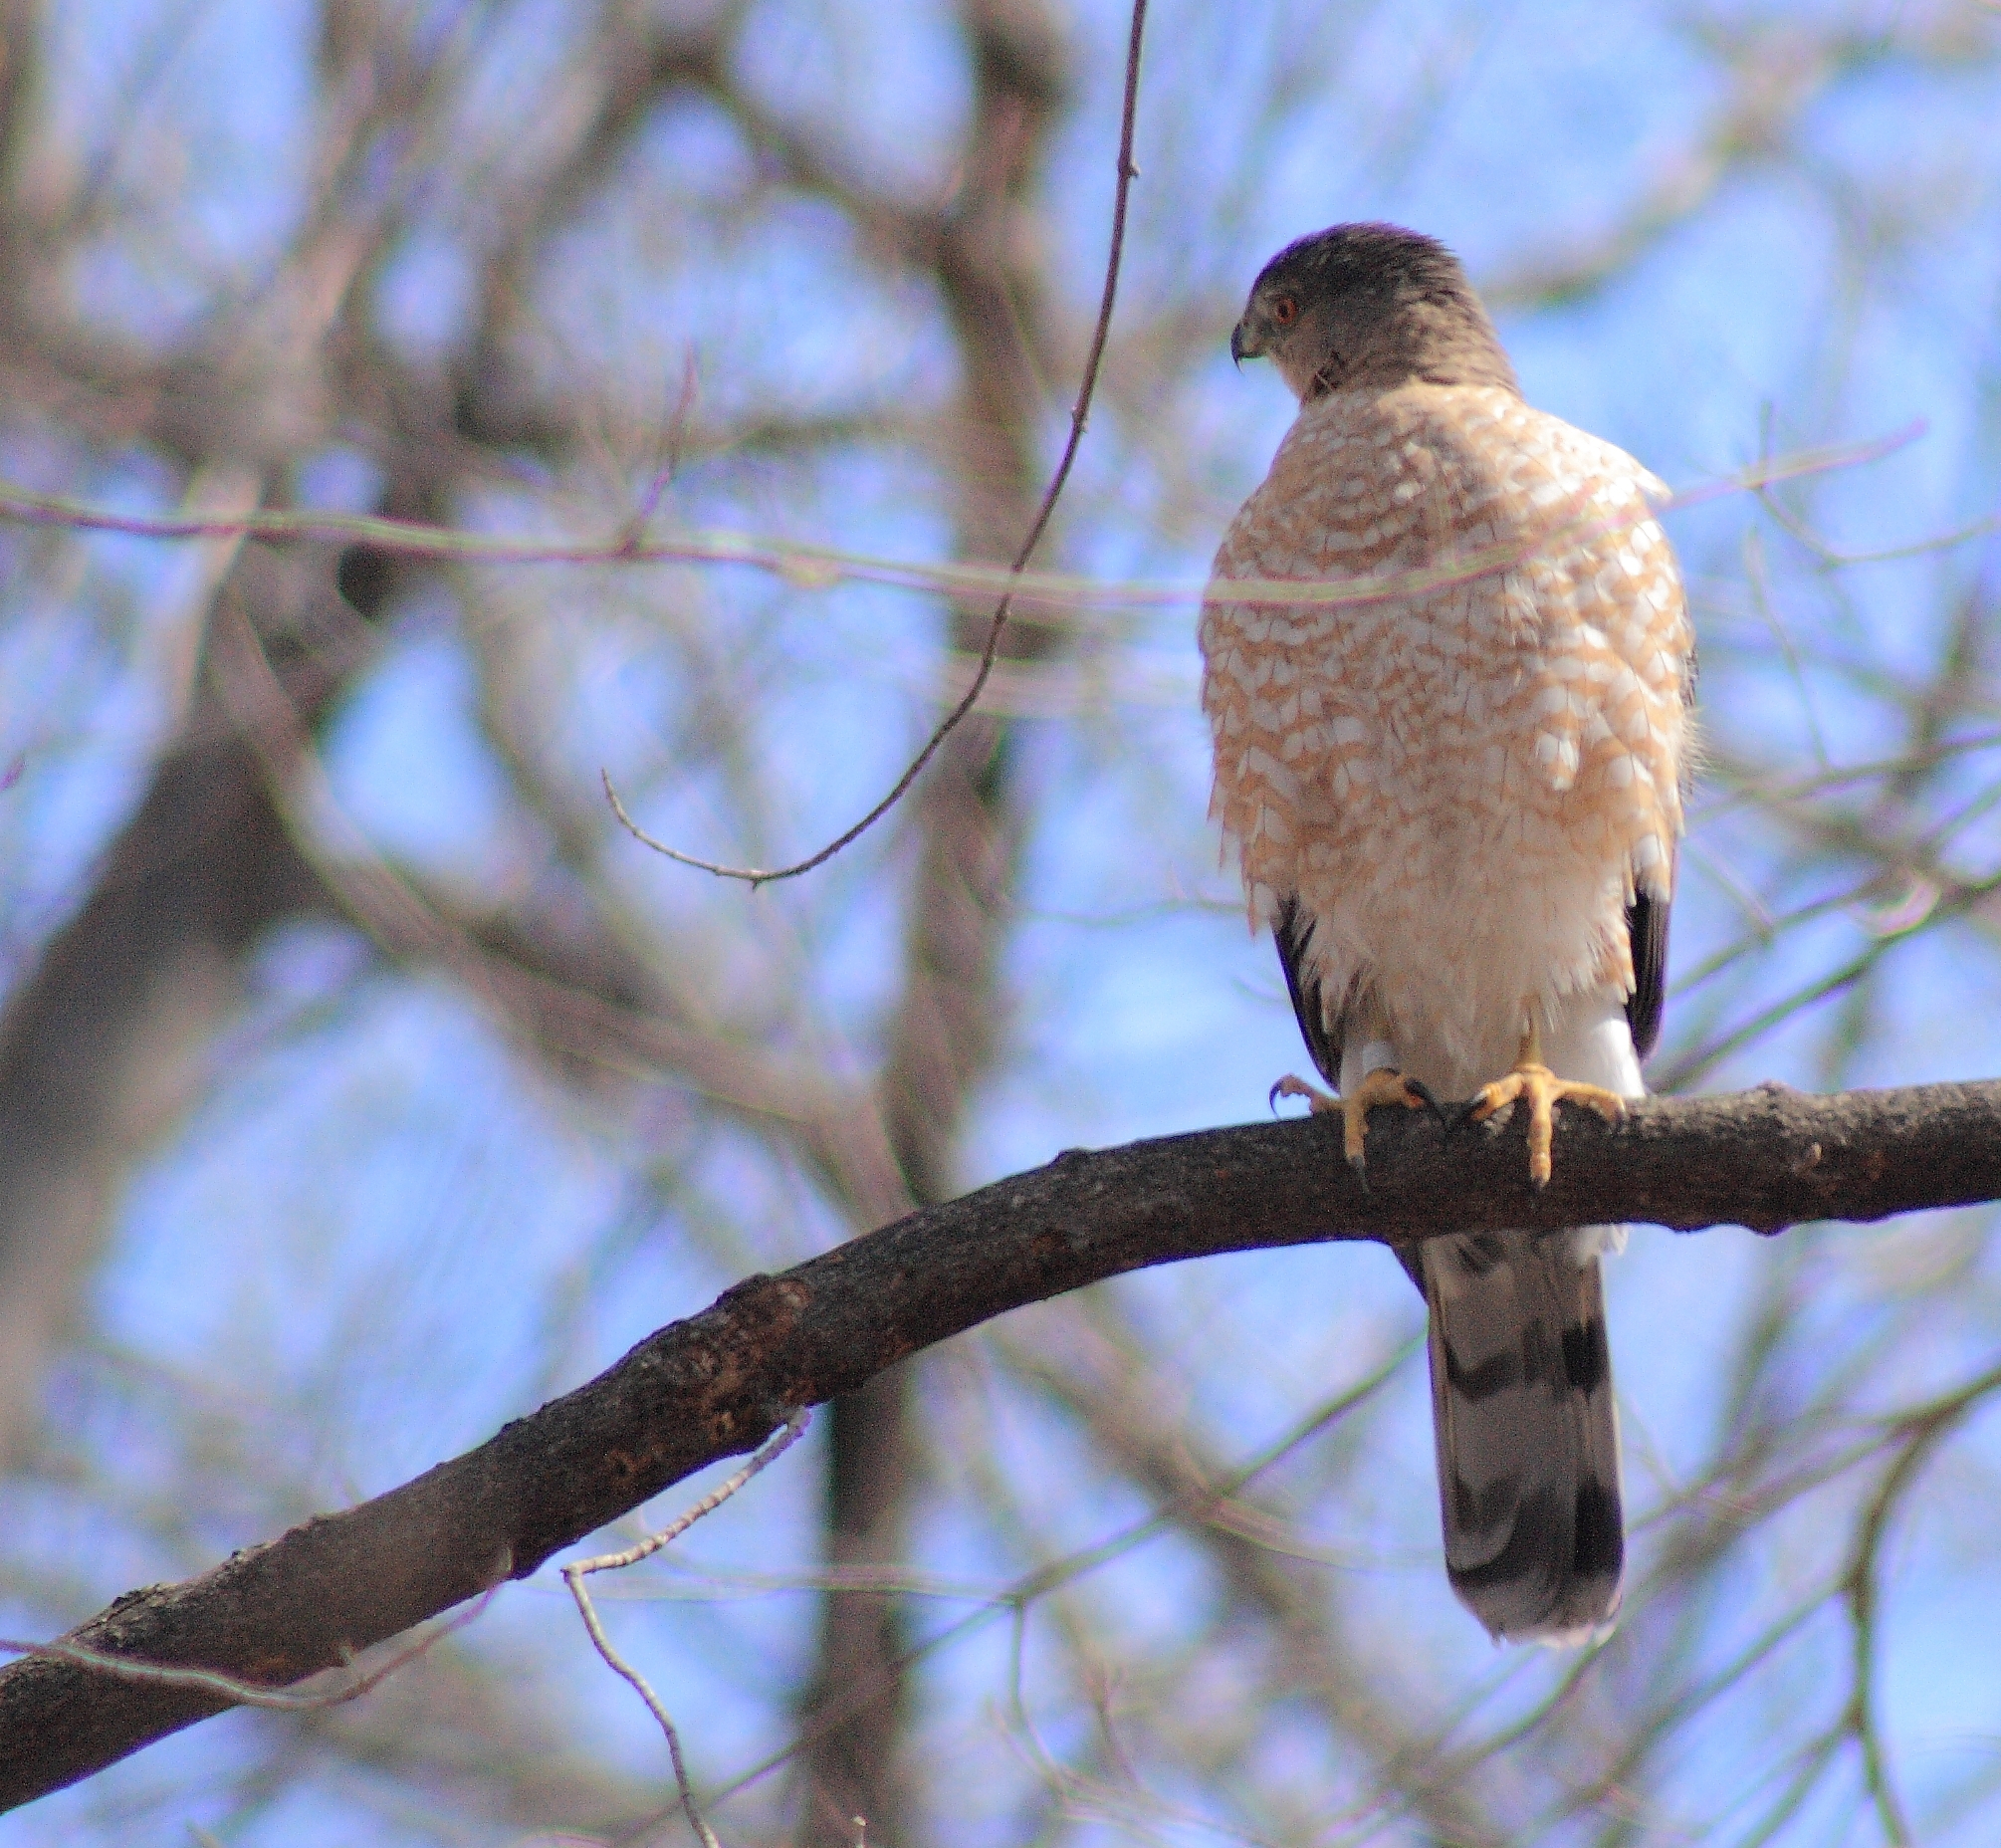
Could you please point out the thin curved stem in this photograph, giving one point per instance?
(754, 876)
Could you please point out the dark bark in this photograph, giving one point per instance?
(717, 1384)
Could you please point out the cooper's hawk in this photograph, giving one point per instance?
(1449, 755)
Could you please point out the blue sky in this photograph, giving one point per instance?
(383, 1229)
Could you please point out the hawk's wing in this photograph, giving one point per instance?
(1323, 1038)
(1647, 915)
(1647, 929)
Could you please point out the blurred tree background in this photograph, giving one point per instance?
(362, 1084)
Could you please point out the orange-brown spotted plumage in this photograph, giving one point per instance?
(1483, 770)
(1450, 712)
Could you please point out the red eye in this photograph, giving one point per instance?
(1285, 310)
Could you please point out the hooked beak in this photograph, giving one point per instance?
(1242, 346)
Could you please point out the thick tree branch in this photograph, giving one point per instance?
(717, 1384)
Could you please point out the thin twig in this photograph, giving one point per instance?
(574, 1573)
(667, 456)
(249, 1692)
(1925, 1429)
(1193, 1503)
(1578, 523)
(1830, 554)
(1079, 415)
(825, 567)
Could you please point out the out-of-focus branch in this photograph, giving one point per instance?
(721, 1382)
(586, 1000)
(97, 1046)
(986, 287)
(970, 819)
(480, 1743)
(1106, 1385)
(1770, 77)
(95, 1041)
(398, 537)
(20, 31)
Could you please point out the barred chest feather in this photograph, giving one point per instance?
(1456, 732)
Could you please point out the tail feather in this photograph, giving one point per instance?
(1527, 1432)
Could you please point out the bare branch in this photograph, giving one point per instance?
(1079, 415)
(247, 1694)
(574, 1573)
(825, 566)
(719, 1383)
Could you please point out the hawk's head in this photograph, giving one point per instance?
(1369, 306)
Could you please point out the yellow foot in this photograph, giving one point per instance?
(1383, 1085)
(1532, 1080)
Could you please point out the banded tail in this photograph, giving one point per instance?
(1527, 1431)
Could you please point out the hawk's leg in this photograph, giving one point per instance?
(1532, 1080)
(1383, 1085)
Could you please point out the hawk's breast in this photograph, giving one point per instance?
(1455, 730)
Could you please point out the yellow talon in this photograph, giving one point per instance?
(1532, 1080)
(1383, 1085)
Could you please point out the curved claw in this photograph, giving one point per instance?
(1384, 1085)
(1320, 1102)
(1533, 1083)
(1465, 1111)
(1424, 1095)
